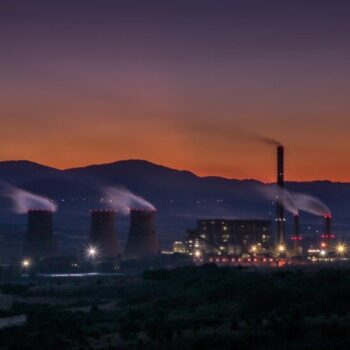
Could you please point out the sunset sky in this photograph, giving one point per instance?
(189, 84)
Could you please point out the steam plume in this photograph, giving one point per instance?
(24, 200)
(123, 200)
(293, 202)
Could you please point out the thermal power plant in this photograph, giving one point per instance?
(297, 250)
(327, 237)
(280, 220)
(103, 235)
(39, 241)
(142, 240)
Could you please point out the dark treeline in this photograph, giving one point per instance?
(196, 308)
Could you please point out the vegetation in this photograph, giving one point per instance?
(195, 308)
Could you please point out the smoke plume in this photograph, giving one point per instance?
(267, 140)
(293, 202)
(24, 200)
(122, 200)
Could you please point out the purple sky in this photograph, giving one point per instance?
(181, 83)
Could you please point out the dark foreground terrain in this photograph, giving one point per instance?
(186, 308)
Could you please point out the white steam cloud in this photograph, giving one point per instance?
(294, 202)
(122, 200)
(24, 200)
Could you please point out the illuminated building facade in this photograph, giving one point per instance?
(229, 237)
(179, 247)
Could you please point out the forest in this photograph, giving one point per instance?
(205, 307)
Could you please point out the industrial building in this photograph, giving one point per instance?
(230, 237)
(179, 247)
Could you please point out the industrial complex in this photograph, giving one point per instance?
(253, 242)
(223, 241)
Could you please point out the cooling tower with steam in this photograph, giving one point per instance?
(39, 240)
(103, 235)
(142, 240)
(280, 220)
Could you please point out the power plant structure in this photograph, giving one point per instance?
(217, 240)
(230, 237)
(39, 240)
(327, 238)
(142, 240)
(280, 219)
(297, 249)
(103, 234)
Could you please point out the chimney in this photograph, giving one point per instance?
(279, 207)
(328, 236)
(142, 240)
(103, 234)
(296, 238)
(39, 240)
(328, 225)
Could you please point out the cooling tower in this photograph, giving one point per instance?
(296, 238)
(39, 241)
(279, 207)
(142, 240)
(103, 235)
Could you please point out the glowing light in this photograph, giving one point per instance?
(254, 248)
(323, 253)
(341, 249)
(281, 248)
(26, 263)
(92, 252)
(197, 254)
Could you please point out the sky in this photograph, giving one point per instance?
(190, 84)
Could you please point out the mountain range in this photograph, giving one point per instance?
(180, 196)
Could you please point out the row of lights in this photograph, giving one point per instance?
(91, 253)
(225, 260)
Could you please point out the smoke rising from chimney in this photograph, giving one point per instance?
(294, 202)
(24, 200)
(267, 140)
(122, 200)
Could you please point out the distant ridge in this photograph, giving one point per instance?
(15, 171)
(180, 196)
(20, 171)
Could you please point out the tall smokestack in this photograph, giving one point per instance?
(328, 236)
(103, 234)
(296, 238)
(142, 240)
(279, 207)
(39, 241)
(328, 225)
